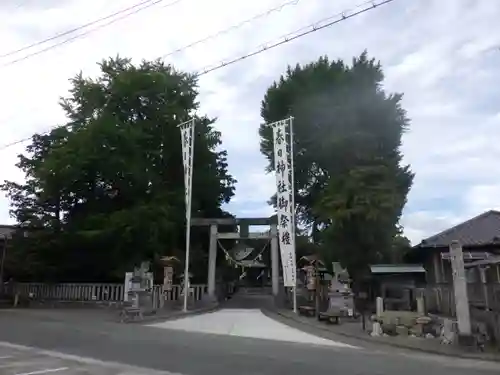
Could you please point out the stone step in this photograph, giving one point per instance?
(255, 290)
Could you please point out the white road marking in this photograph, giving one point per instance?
(47, 371)
(246, 323)
(124, 368)
(6, 356)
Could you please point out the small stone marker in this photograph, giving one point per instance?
(379, 306)
(376, 329)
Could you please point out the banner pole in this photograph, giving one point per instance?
(285, 202)
(292, 177)
(190, 155)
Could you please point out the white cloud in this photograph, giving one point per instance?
(440, 53)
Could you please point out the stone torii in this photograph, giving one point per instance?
(244, 233)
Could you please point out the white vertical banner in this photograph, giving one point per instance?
(187, 139)
(284, 199)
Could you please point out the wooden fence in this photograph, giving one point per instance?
(97, 292)
(440, 298)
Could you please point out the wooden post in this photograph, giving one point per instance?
(482, 275)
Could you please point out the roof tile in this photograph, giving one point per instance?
(483, 229)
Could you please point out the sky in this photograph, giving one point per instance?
(442, 54)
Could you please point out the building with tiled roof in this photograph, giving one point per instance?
(478, 236)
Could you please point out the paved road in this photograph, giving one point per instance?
(250, 323)
(189, 353)
(17, 360)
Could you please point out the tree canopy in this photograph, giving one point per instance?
(106, 189)
(351, 184)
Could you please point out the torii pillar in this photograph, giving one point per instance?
(244, 224)
(212, 261)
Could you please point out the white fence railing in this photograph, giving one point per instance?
(98, 292)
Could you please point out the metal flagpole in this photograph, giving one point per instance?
(188, 209)
(292, 177)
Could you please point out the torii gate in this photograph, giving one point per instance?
(244, 233)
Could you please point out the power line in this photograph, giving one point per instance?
(316, 26)
(279, 8)
(122, 15)
(71, 31)
(303, 31)
(213, 36)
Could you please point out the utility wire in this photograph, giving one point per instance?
(319, 25)
(213, 36)
(299, 33)
(279, 8)
(67, 32)
(122, 14)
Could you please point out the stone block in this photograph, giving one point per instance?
(402, 330)
(405, 318)
(389, 329)
(448, 332)
(467, 341)
(417, 330)
(423, 320)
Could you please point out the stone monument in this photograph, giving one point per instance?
(168, 263)
(139, 288)
(340, 298)
(461, 298)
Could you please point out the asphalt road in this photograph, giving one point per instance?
(15, 360)
(89, 334)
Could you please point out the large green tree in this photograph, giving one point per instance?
(107, 187)
(351, 185)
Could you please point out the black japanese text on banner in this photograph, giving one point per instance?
(187, 133)
(283, 203)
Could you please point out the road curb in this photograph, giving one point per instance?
(175, 315)
(368, 339)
